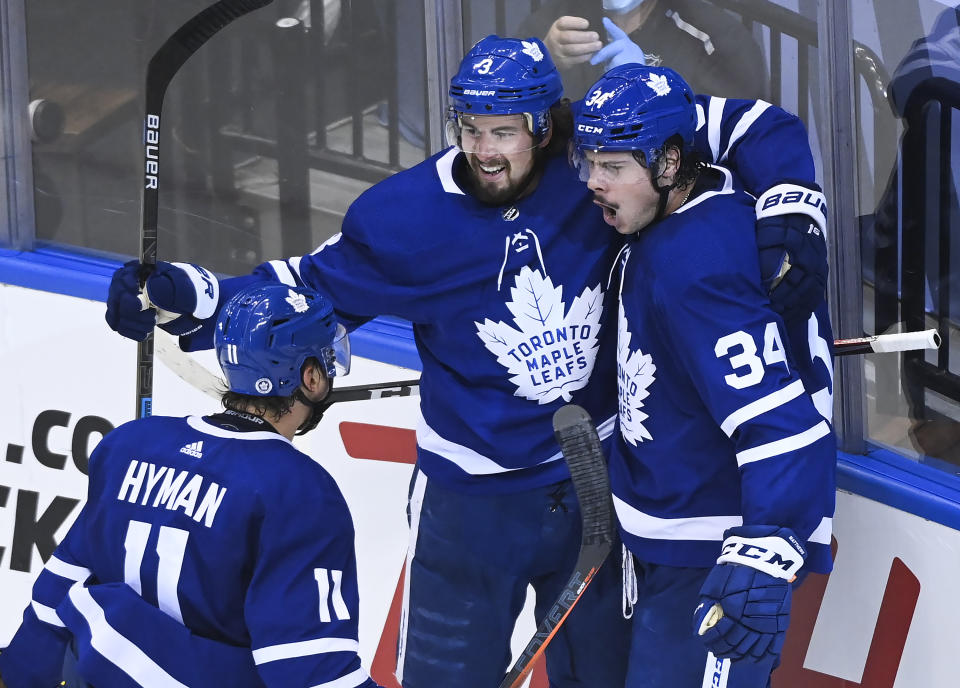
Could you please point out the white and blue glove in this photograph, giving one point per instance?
(179, 297)
(744, 606)
(620, 50)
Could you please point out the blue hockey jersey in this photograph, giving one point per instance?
(509, 305)
(724, 415)
(210, 552)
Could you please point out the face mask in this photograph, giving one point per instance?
(620, 6)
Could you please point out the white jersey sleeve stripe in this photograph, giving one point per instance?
(743, 126)
(784, 446)
(644, 525)
(329, 242)
(714, 120)
(61, 568)
(473, 462)
(115, 647)
(283, 272)
(47, 615)
(304, 648)
(351, 680)
(691, 528)
(823, 532)
(761, 406)
(294, 264)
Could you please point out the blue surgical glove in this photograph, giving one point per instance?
(621, 50)
(744, 606)
(181, 296)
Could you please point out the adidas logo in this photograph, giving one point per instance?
(194, 449)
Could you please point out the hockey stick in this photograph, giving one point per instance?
(160, 71)
(887, 343)
(194, 374)
(197, 376)
(581, 449)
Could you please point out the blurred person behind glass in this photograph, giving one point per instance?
(717, 54)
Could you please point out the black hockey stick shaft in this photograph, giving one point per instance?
(377, 390)
(164, 64)
(907, 341)
(580, 444)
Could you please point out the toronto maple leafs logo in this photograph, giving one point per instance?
(298, 301)
(533, 50)
(658, 82)
(550, 353)
(635, 371)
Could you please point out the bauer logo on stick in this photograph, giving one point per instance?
(151, 137)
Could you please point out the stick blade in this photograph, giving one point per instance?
(580, 444)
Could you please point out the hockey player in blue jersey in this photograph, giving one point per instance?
(722, 469)
(210, 551)
(494, 251)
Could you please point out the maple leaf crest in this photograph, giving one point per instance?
(533, 50)
(550, 353)
(298, 301)
(635, 371)
(658, 82)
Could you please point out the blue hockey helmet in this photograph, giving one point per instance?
(506, 76)
(266, 332)
(635, 108)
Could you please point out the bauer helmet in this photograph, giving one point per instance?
(266, 332)
(635, 108)
(505, 76)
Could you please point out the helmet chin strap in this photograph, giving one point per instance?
(664, 192)
(317, 408)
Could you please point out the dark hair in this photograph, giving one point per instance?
(263, 406)
(562, 116)
(691, 162)
(258, 406)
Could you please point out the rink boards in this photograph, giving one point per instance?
(882, 619)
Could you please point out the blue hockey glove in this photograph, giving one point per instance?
(793, 248)
(620, 50)
(744, 606)
(125, 312)
(181, 296)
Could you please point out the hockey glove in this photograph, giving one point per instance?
(744, 607)
(791, 220)
(181, 296)
(621, 50)
(125, 312)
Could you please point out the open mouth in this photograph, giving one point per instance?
(609, 212)
(491, 170)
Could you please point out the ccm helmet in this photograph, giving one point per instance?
(266, 332)
(505, 76)
(635, 108)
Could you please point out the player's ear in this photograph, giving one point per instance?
(314, 381)
(670, 163)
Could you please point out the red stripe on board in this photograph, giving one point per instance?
(379, 442)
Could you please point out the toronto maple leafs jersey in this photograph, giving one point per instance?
(724, 417)
(508, 304)
(241, 541)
